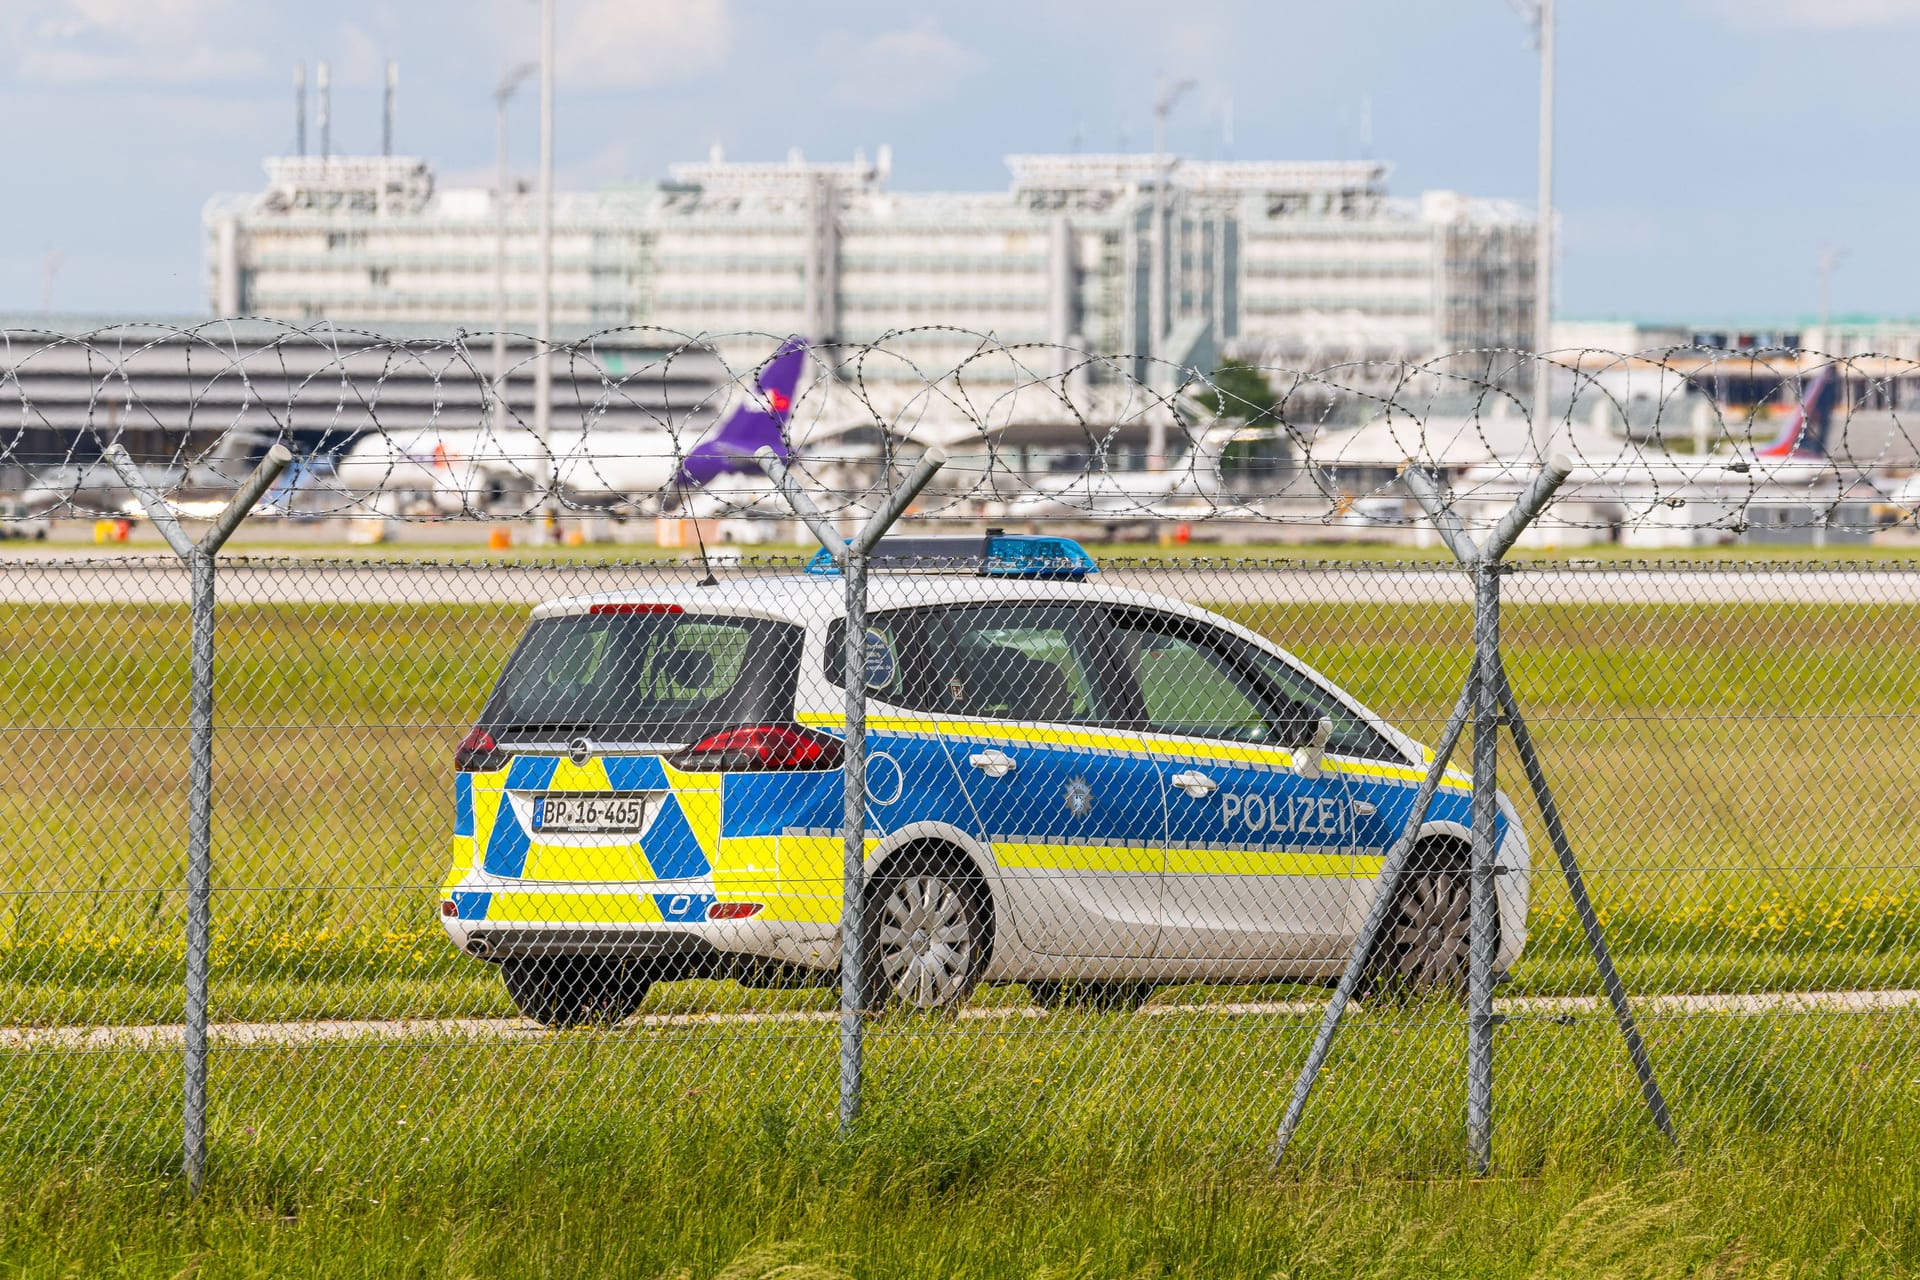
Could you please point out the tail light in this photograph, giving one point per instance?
(478, 753)
(733, 910)
(760, 747)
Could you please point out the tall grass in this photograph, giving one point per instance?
(1085, 1152)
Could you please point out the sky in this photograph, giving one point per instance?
(1708, 150)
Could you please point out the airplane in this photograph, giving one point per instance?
(197, 489)
(1648, 493)
(463, 470)
(1191, 487)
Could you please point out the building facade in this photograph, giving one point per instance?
(1179, 260)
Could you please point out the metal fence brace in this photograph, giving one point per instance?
(1489, 699)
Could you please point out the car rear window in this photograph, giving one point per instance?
(645, 677)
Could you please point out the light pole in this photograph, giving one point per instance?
(1829, 259)
(1157, 266)
(1540, 14)
(501, 93)
(543, 321)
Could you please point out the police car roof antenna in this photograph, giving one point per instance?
(850, 554)
(698, 540)
(200, 561)
(1488, 698)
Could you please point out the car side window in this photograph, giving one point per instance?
(1352, 736)
(1007, 660)
(1018, 661)
(1190, 685)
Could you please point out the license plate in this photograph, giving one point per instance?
(598, 812)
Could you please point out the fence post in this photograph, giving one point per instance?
(853, 889)
(1483, 907)
(851, 554)
(200, 558)
(199, 868)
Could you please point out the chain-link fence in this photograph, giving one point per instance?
(514, 853)
(406, 861)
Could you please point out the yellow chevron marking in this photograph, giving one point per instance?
(626, 861)
(609, 907)
(568, 776)
(463, 856)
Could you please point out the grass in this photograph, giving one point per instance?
(1739, 780)
(1111, 1148)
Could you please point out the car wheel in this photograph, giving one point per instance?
(926, 931)
(1424, 949)
(1101, 997)
(568, 991)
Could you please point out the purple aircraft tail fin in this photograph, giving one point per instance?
(1804, 434)
(758, 422)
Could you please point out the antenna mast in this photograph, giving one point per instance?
(300, 108)
(322, 81)
(386, 119)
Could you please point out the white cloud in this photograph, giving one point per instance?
(124, 41)
(1833, 15)
(626, 44)
(897, 70)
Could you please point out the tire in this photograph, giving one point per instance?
(927, 932)
(1423, 952)
(570, 991)
(1099, 997)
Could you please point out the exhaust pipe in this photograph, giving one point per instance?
(480, 947)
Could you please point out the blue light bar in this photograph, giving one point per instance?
(1032, 555)
(997, 555)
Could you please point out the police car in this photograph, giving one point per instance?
(1086, 789)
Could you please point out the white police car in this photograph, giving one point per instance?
(1084, 789)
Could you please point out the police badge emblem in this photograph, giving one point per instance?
(1079, 798)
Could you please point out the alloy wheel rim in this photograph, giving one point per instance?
(926, 941)
(1430, 931)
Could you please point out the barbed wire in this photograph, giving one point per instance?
(1671, 444)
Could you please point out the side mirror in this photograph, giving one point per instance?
(1306, 759)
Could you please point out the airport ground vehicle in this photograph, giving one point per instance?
(1085, 789)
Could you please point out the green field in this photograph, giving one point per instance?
(1740, 780)
(988, 1151)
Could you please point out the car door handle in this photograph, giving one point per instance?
(993, 762)
(1196, 784)
(1365, 808)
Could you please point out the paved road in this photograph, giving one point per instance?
(149, 581)
(294, 1034)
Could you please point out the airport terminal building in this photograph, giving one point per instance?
(1284, 263)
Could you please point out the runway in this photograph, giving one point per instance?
(149, 580)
